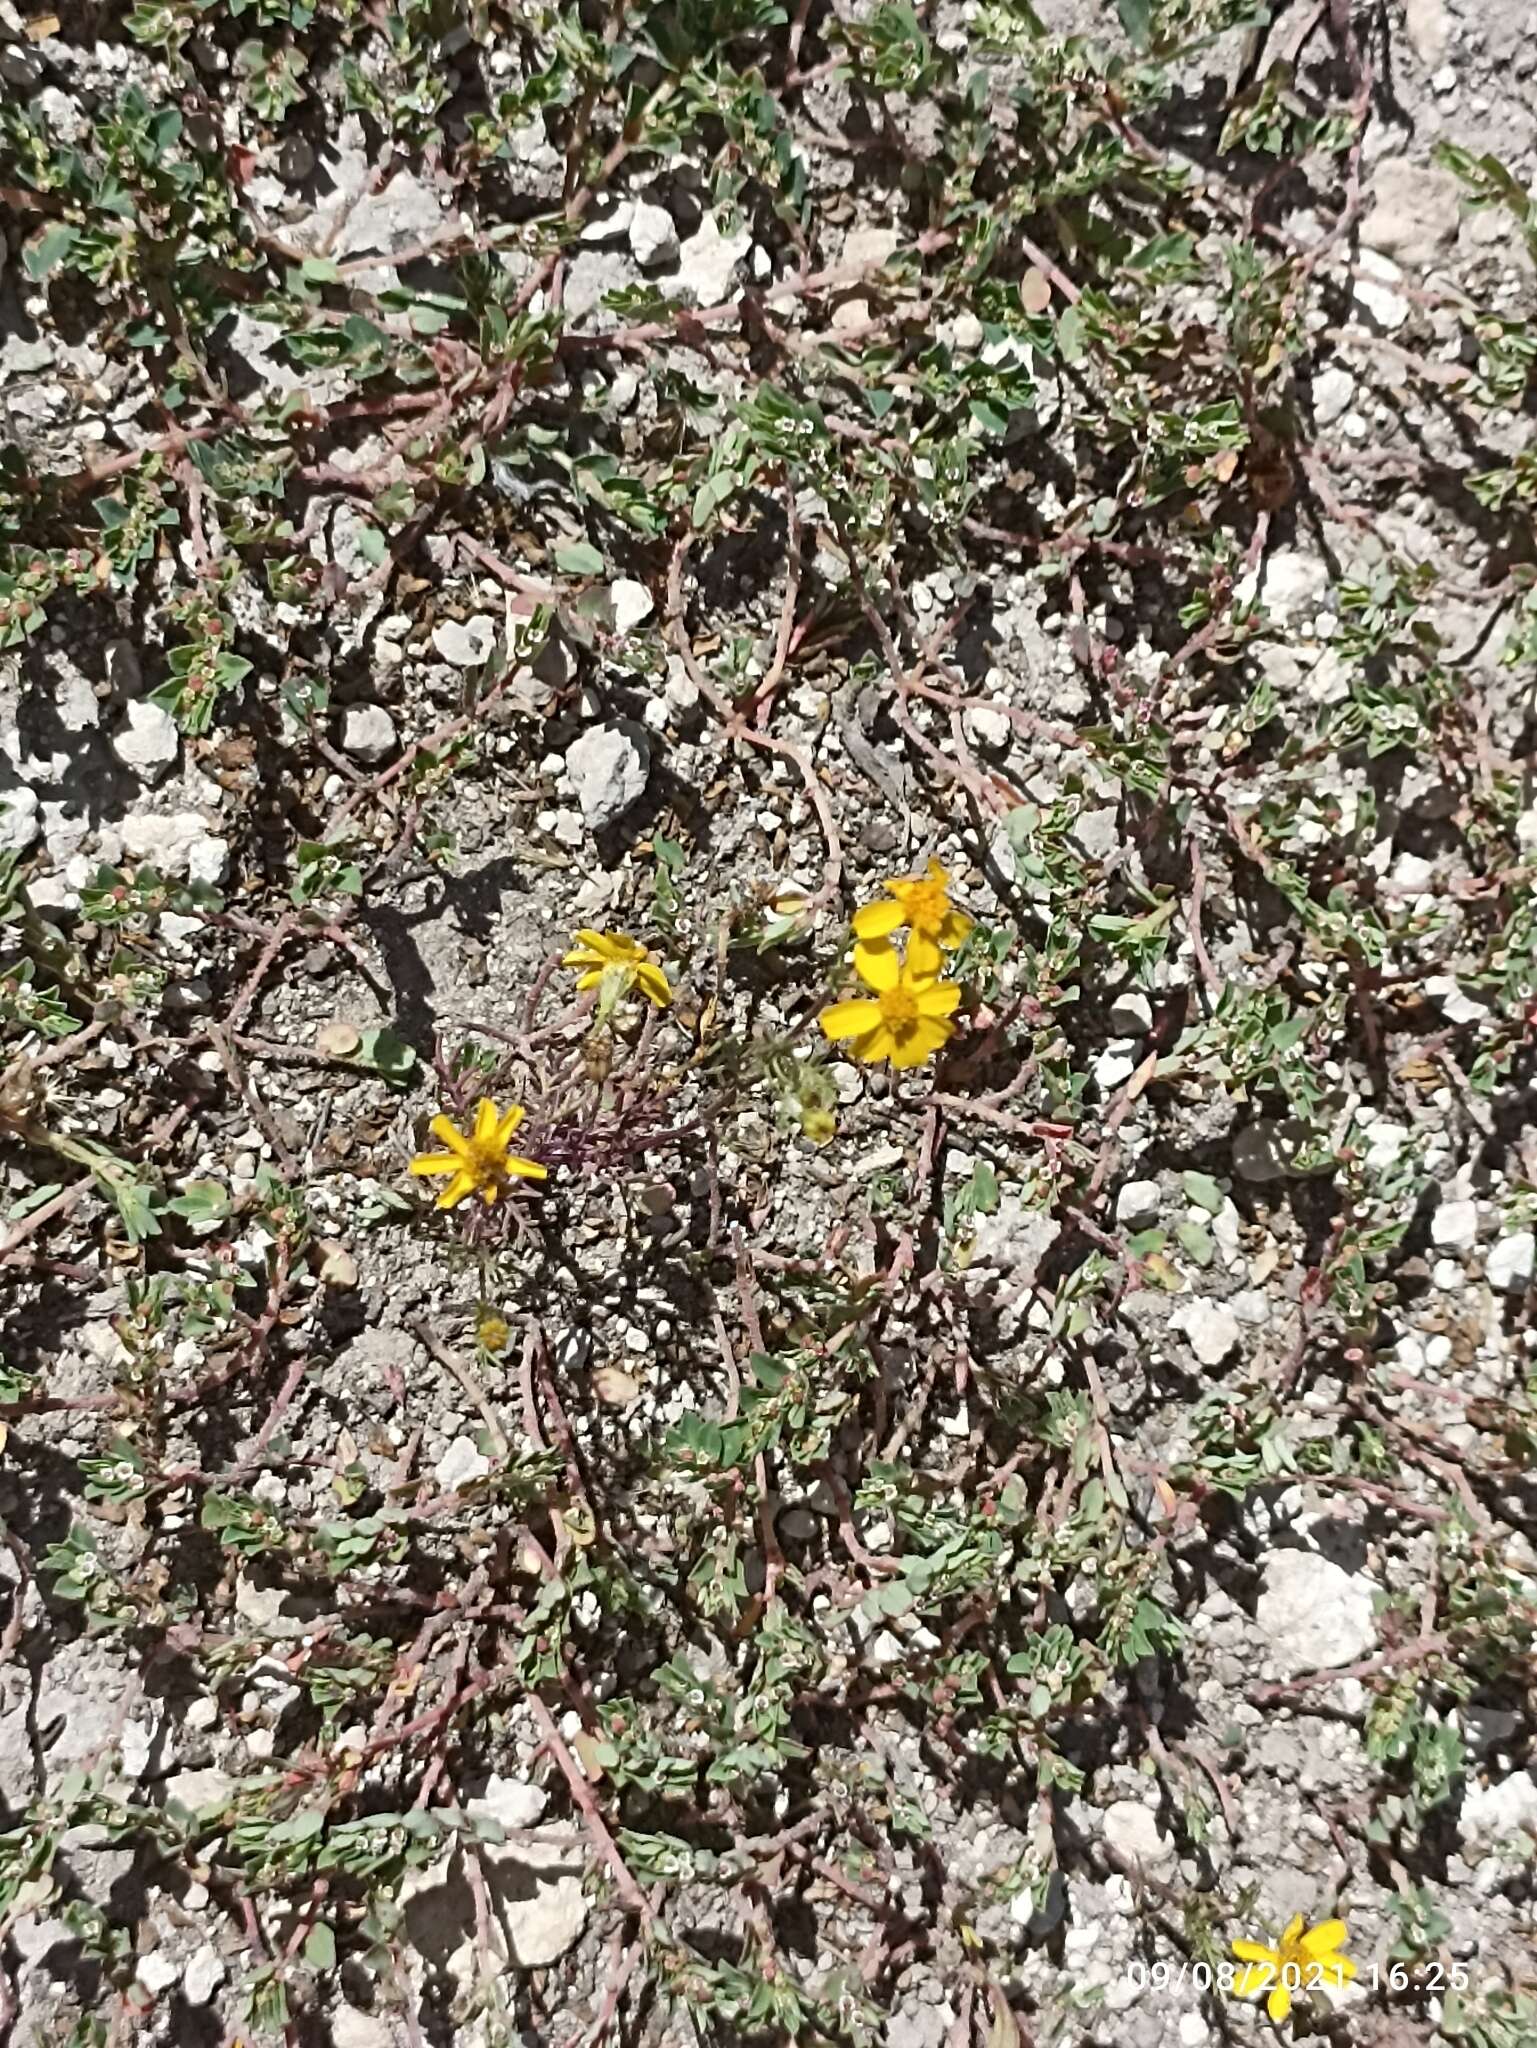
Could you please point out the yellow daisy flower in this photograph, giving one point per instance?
(478, 1162)
(908, 1018)
(1304, 1959)
(617, 964)
(922, 903)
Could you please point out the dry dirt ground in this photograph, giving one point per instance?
(929, 1557)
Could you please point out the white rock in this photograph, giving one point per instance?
(1111, 1067)
(612, 227)
(1133, 1831)
(157, 1971)
(653, 237)
(1499, 1813)
(1411, 871)
(1509, 1265)
(538, 1904)
(208, 860)
(1313, 1615)
(1457, 1007)
(1138, 1203)
(200, 1792)
(608, 767)
(987, 728)
(368, 733)
(353, 2029)
(203, 1975)
(632, 602)
(511, 1802)
(136, 1746)
(1294, 583)
(76, 701)
(149, 743)
(545, 1908)
(461, 1464)
(19, 820)
(1374, 293)
(164, 840)
(1096, 833)
(1430, 30)
(1131, 1014)
(1454, 1226)
(465, 643)
(865, 248)
(1414, 213)
(707, 264)
(1015, 1238)
(1210, 1326)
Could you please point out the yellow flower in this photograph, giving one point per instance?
(616, 963)
(922, 903)
(909, 1017)
(1304, 1959)
(480, 1163)
(491, 1333)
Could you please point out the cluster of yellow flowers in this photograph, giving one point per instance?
(907, 1016)
(905, 1019)
(480, 1161)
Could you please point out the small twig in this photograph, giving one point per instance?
(464, 1373)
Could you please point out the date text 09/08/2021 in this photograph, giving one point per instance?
(1297, 1977)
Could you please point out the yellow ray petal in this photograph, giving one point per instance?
(938, 998)
(1279, 2003)
(508, 1124)
(877, 920)
(955, 929)
(924, 958)
(447, 1135)
(1319, 1941)
(461, 1185)
(654, 983)
(435, 1162)
(880, 1045)
(877, 964)
(1254, 1977)
(1256, 1952)
(1293, 1929)
(485, 1121)
(526, 1169)
(852, 1019)
(919, 1043)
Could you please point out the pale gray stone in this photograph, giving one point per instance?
(149, 742)
(608, 767)
(368, 734)
(1313, 1615)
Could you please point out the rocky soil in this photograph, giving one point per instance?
(853, 1556)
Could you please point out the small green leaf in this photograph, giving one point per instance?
(1203, 1191)
(320, 1947)
(48, 251)
(1137, 20)
(580, 558)
(1196, 1242)
(385, 1052)
(201, 1201)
